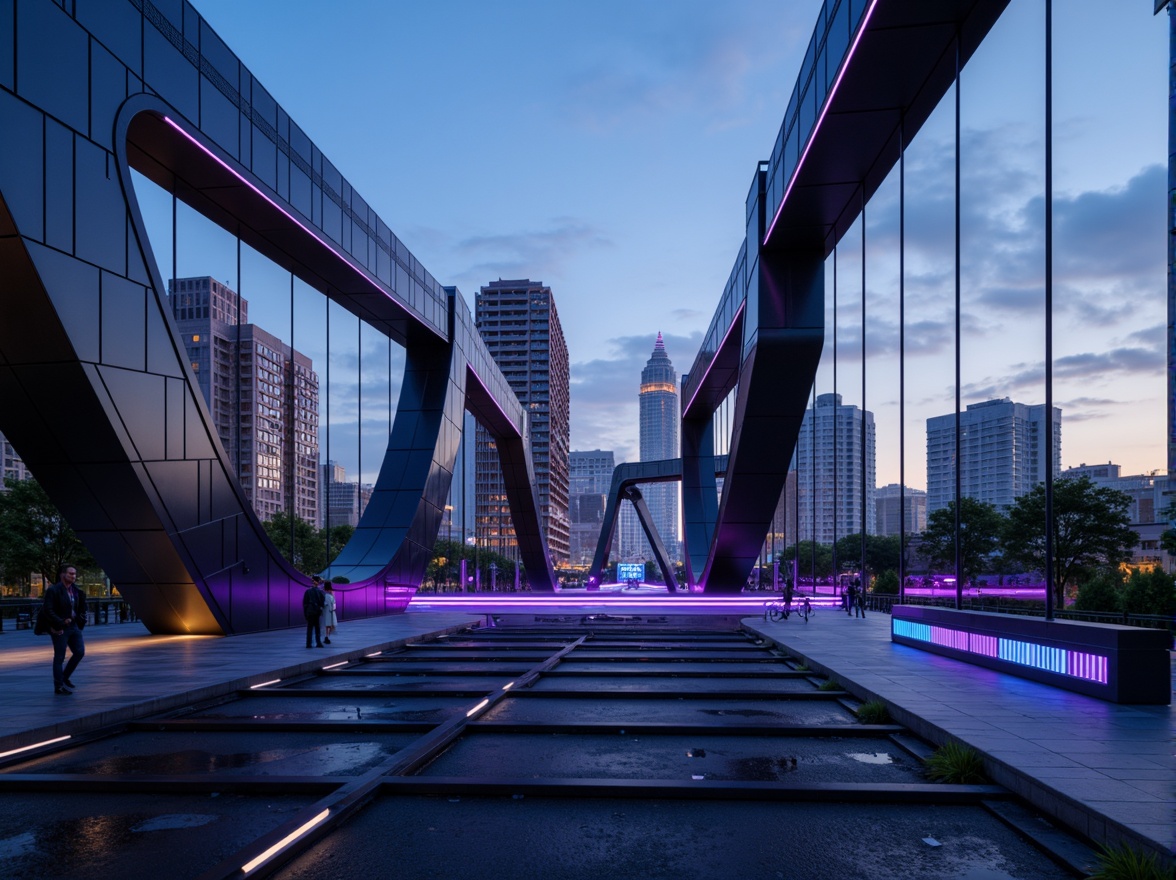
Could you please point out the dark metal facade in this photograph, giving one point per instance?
(97, 398)
(874, 70)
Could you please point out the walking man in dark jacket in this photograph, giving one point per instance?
(65, 610)
(313, 602)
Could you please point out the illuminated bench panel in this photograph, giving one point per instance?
(1118, 663)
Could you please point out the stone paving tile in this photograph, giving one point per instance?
(1076, 758)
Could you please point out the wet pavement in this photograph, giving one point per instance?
(426, 749)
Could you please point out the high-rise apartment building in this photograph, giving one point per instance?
(899, 512)
(262, 395)
(590, 477)
(519, 323)
(1148, 492)
(1002, 451)
(829, 463)
(11, 466)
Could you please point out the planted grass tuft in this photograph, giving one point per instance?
(830, 684)
(1124, 863)
(956, 764)
(873, 712)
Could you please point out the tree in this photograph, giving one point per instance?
(1168, 538)
(1091, 529)
(36, 537)
(307, 551)
(980, 529)
(823, 559)
(881, 552)
(1150, 592)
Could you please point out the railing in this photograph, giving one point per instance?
(883, 603)
(20, 614)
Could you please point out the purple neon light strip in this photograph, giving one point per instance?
(582, 601)
(718, 348)
(824, 110)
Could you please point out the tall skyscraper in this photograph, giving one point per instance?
(590, 479)
(900, 512)
(659, 413)
(262, 394)
(520, 325)
(1002, 450)
(829, 471)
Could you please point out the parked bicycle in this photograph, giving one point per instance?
(775, 611)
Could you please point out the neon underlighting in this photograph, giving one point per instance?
(47, 742)
(1060, 661)
(285, 841)
(479, 707)
(264, 684)
(718, 349)
(825, 109)
(337, 665)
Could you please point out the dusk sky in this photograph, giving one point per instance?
(606, 150)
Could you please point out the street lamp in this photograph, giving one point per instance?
(449, 540)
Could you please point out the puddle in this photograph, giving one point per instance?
(173, 821)
(871, 757)
(15, 847)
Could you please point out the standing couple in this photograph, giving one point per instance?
(318, 607)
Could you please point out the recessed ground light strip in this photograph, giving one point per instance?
(285, 842)
(47, 742)
(1062, 661)
(254, 687)
(337, 665)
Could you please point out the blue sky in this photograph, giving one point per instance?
(606, 149)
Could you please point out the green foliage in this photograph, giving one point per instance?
(1091, 530)
(882, 552)
(830, 684)
(887, 583)
(1101, 592)
(956, 764)
(308, 549)
(1124, 863)
(1168, 538)
(445, 568)
(873, 712)
(818, 557)
(981, 525)
(1150, 592)
(36, 537)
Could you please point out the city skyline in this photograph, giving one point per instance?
(634, 163)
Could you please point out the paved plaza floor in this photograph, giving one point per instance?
(1104, 770)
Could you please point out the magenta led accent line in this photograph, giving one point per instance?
(828, 102)
(312, 233)
(718, 348)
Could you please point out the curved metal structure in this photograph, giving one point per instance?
(98, 399)
(874, 71)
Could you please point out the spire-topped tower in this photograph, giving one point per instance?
(660, 412)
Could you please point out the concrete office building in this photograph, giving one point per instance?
(1002, 450)
(343, 502)
(519, 324)
(261, 393)
(829, 471)
(897, 514)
